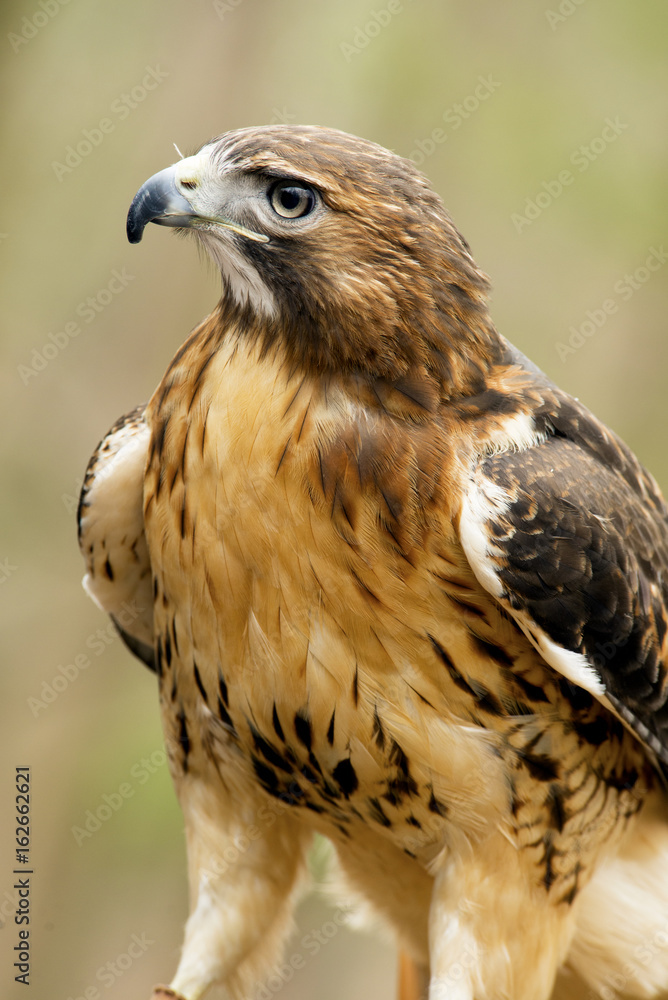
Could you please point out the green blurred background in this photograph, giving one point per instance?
(513, 91)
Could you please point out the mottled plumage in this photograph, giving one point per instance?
(397, 588)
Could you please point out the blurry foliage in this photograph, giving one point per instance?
(60, 240)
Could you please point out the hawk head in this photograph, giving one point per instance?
(336, 247)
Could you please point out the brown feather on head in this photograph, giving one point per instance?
(361, 270)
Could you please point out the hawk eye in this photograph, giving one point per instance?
(291, 200)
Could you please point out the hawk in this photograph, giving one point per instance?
(397, 588)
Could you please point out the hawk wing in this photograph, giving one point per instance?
(571, 538)
(111, 533)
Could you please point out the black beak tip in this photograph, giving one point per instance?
(136, 221)
(159, 201)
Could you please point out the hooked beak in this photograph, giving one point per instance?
(171, 197)
(159, 201)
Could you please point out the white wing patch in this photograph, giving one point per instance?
(484, 502)
(574, 666)
(516, 433)
(111, 529)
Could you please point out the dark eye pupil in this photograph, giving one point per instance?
(292, 200)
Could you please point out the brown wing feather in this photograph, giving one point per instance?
(582, 550)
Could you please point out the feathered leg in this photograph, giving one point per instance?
(492, 934)
(245, 856)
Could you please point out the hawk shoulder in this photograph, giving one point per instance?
(111, 533)
(570, 537)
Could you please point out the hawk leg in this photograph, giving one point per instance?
(245, 858)
(413, 979)
(475, 904)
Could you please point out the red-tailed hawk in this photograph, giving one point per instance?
(397, 588)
